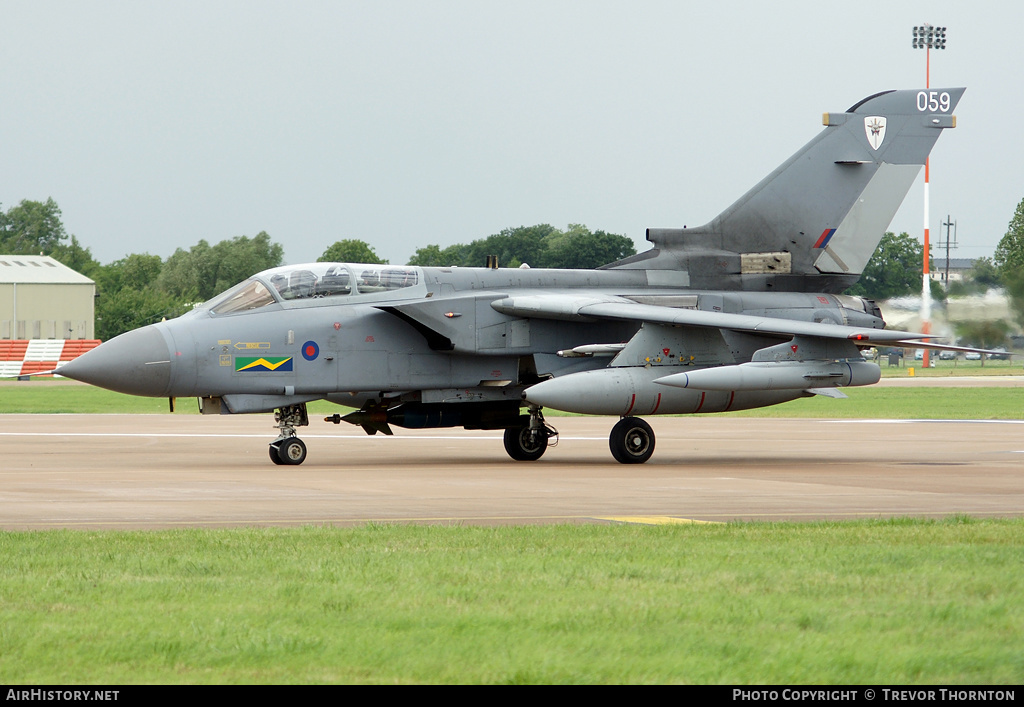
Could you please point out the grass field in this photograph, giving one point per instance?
(886, 602)
(905, 403)
(1009, 367)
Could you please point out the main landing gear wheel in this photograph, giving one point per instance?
(291, 450)
(631, 441)
(526, 444)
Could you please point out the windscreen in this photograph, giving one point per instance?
(243, 297)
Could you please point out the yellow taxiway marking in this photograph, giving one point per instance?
(658, 520)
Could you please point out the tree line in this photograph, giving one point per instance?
(540, 246)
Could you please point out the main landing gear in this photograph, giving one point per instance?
(287, 448)
(631, 441)
(527, 441)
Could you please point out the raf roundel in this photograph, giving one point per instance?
(310, 351)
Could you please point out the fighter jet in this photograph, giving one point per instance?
(743, 312)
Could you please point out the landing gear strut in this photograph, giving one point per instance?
(287, 448)
(631, 441)
(527, 441)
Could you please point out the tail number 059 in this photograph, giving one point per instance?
(933, 101)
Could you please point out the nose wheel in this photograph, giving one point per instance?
(288, 451)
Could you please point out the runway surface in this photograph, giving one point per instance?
(120, 471)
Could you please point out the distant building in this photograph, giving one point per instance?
(958, 269)
(41, 298)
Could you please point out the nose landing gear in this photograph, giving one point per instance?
(287, 448)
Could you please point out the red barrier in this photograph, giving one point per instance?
(38, 355)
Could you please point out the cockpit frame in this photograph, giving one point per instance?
(313, 284)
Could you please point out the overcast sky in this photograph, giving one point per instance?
(405, 123)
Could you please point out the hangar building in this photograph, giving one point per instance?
(41, 298)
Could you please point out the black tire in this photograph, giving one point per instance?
(631, 441)
(524, 444)
(291, 450)
(274, 456)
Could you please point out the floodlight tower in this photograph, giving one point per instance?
(927, 37)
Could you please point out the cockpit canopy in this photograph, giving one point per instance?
(314, 281)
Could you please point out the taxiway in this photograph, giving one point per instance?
(120, 471)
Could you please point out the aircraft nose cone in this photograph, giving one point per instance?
(137, 363)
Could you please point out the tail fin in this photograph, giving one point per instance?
(813, 223)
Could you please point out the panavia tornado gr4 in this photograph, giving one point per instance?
(740, 313)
